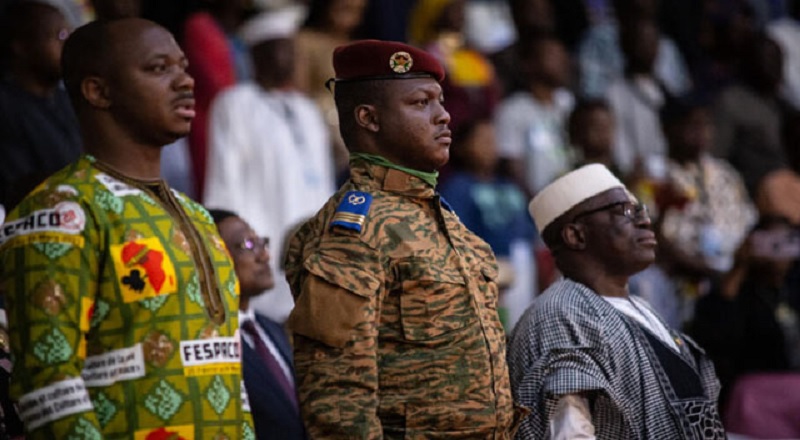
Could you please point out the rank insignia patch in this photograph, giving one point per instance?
(143, 269)
(401, 62)
(352, 210)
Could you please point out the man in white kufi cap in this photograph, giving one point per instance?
(590, 360)
(269, 149)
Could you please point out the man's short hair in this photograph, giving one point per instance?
(349, 95)
(88, 51)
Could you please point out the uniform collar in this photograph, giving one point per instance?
(374, 176)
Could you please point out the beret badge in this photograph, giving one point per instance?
(401, 62)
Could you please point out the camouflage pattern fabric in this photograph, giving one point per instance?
(396, 328)
(122, 309)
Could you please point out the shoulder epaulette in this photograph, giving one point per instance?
(352, 210)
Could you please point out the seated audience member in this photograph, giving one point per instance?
(749, 121)
(591, 134)
(601, 59)
(589, 359)
(706, 213)
(269, 147)
(531, 122)
(531, 18)
(266, 354)
(636, 99)
(749, 324)
(38, 130)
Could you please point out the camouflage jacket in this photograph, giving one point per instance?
(122, 311)
(396, 327)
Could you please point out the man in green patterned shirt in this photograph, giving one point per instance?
(122, 300)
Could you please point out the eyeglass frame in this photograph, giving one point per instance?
(632, 211)
(252, 245)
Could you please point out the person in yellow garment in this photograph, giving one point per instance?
(122, 300)
(395, 322)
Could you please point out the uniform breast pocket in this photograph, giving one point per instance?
(434, 300)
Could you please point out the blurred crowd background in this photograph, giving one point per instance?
(695, 104)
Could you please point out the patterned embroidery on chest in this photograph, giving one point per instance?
(52, 347)
(158, 348)
(49, 297)
(179, 240)
(105, 408)
(109, 202)
(193, 291)
(84, 430)
(163, 400)
(218, 395)
(143, 269)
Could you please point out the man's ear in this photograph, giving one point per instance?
(95, 91)
(367, 117)
(574, 236)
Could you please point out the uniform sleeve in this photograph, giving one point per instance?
(49, 273)
(335, 332)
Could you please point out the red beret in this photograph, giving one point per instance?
(375, 59)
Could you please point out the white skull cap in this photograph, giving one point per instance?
(570, 189)
(272, 25)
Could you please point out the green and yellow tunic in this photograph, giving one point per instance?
(122, 308)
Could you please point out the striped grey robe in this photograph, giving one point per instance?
(572, 341)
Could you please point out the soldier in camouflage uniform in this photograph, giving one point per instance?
(395, 325)
(122, 300)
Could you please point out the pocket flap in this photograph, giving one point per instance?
(345, 274)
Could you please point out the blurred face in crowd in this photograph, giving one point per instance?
(480, 148)
(595, 132)
(40, 50)
(639, 42)
(250, 254)
(634, 9)
(532, 15)
(767, 65)
(345, 15)
(412, 124)
(773, 250)
(453, 17)
(555, 63)
(150, 92)
(691, 136)
(274, 62)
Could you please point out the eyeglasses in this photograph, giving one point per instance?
(254, 244)
(632, 211)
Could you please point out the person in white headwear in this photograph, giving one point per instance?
(269, 150)
(590, 360)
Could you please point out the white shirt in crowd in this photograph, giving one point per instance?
(270, 162)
